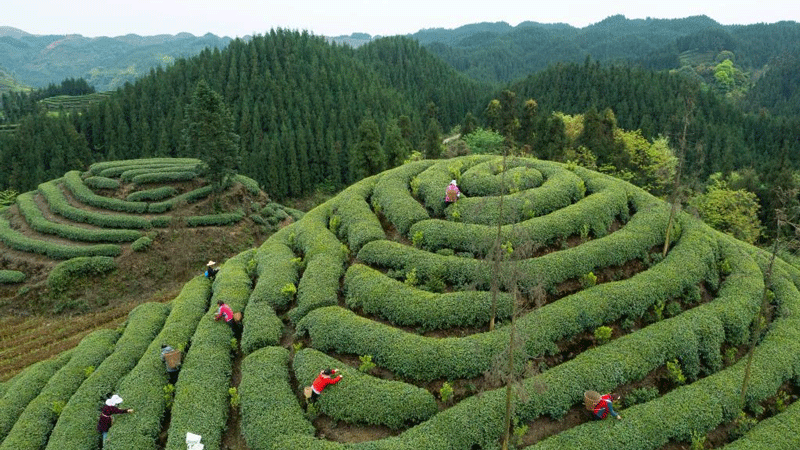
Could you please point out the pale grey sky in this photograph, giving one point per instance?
(342, 17)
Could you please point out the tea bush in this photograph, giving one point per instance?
(116, 167)
(249, 184)
(34, 425)
(361, 398)
(74, 182)
(35, 218)
(143, 387)
(141, 244)
(155, 194)
(59, 205)
(215, 220)
(163, 177)
(405, 305)
(130, 174)
(19, 241)
(186, 197)
(96, 182)
(392, 198)
(11, 276)
(25, 386)
(359, 224)
(486, 178)
(76, 426)
(63, 274)
(269, 408)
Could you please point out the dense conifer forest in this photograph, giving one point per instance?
(297, 104)
(312, 114)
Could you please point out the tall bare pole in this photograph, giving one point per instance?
(677, 184)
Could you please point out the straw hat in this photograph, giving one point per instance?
(114, 400)
(453, 182)
(211, 263)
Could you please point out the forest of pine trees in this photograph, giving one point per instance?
(311, 114)
(297, 104)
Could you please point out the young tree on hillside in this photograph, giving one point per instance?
(367, 158)
(433, 140)
(395, 146)
(731, 211)
(208, 135)
(469, 125)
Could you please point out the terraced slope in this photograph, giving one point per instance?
(97, 245)
(385, 269)
(113, 207)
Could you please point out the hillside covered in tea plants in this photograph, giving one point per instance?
(454, 326)
(82, 250)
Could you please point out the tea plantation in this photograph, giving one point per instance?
(387, 272)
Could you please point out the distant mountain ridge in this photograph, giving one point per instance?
(104, 62)
(498, 52)
(487, 51)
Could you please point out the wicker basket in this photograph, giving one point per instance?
(237, 316)
(590, 398)
(307, 392)
(173, 359)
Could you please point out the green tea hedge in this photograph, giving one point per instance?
(250, 184)
(19, 241)
(405, 305)
(324, 257)
(392, 198)
(486, 178)
(143, 387)
(76, 426)
(353, 217)
(74, 182)
(269, 408)
(361, 398)
(155, 194)
(163, 177)
(130, 174)
(37, 221)
(25, 386)
(96, 182)
(34, 425)
(11, 276)
(59, 205)
(215, 220)
(127, 164)
(64, 273)
(188, 197)
(276, 270)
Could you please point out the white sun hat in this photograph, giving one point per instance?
(114, 400)
(211, 263)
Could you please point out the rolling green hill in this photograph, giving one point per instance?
(497, 52)
(105, 62)
(585, 298)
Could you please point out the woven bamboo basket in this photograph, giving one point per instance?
(173, 359)
(590, 398)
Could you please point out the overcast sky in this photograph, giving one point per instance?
(342, 17)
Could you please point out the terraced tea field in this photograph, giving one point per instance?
(386, 272)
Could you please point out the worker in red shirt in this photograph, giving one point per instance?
(225, 312)
(605, 406)
(323, 379)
